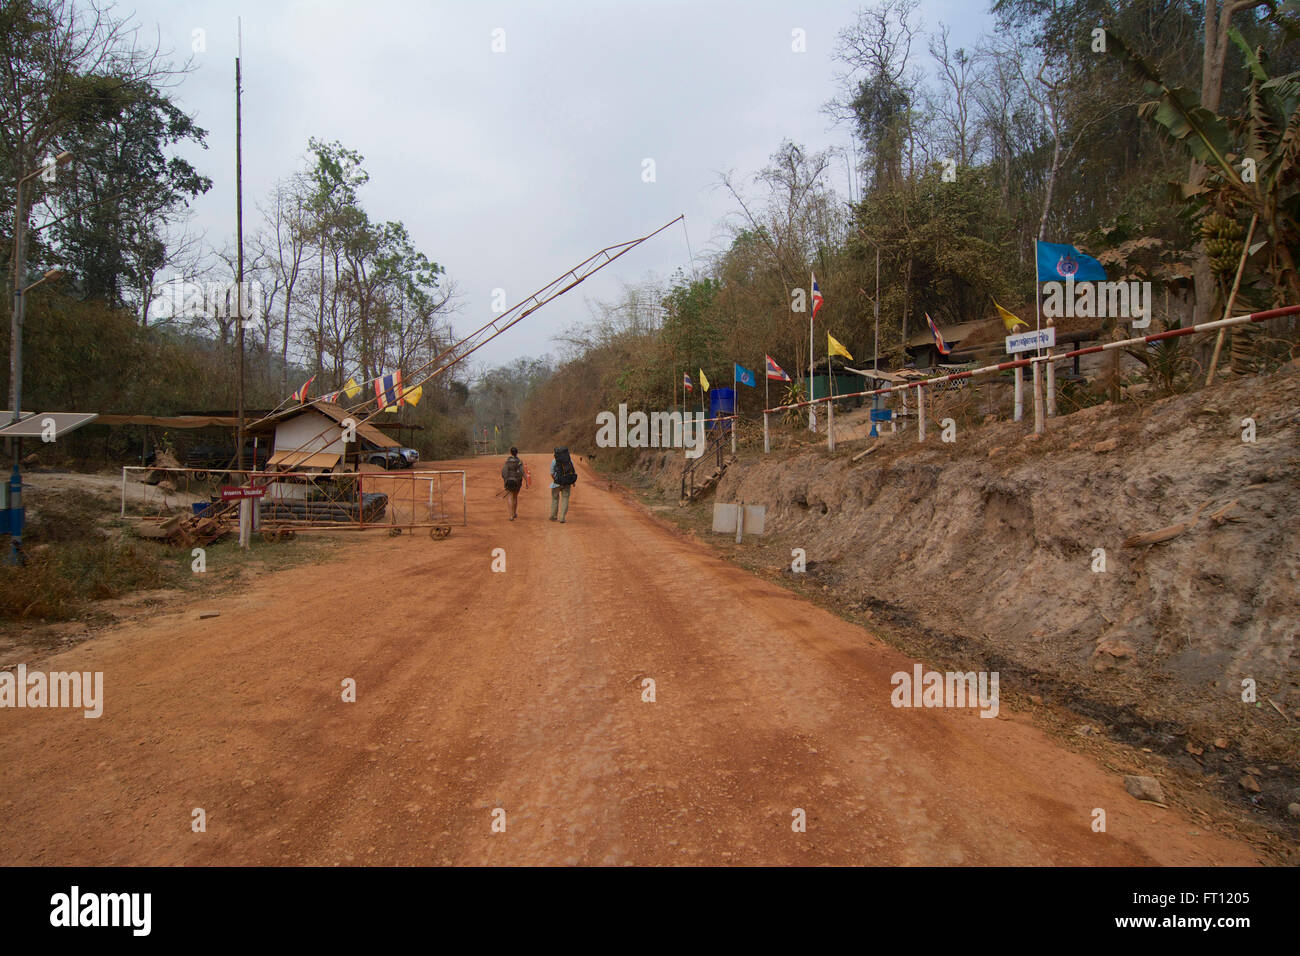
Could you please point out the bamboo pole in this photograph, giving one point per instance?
(1232, 298)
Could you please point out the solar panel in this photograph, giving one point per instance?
(44, 424)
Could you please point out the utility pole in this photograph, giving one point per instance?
(875, 367)
(246, 505)
(239, 269)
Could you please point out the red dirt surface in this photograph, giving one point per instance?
(523, 691)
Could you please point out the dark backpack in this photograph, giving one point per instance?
(513, 473)
(564, 470)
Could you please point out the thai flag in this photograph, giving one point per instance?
(301, 394)
(939, 343)
(816, 296)
(687, 383)
(775, 371)
(388, 389)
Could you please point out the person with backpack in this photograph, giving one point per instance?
(512, 473)
(563, 476)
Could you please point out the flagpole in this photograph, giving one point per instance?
(830, 405)
(812, 388)
(735, 407)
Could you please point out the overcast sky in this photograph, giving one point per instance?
(509, 168)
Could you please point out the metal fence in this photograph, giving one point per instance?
(402, 500)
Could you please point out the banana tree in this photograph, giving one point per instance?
(1252, 163)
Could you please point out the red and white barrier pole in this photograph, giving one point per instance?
(1036, 361)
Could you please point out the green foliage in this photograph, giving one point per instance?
(1251, 161)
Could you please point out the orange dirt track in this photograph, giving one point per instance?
(523, 691)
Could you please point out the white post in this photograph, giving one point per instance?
(1051, 384)
(245, 521)
(767, 440)
(1038, 398)
(920, 412)
(124, 492)
(830, 425)
(1020, 393)
(740, 520)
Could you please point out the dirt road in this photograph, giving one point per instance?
(522, 691)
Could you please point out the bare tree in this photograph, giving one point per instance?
(959, 75)
(287, 221)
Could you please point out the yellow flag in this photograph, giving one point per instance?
(412, 396)
(391, 408)
(1010, 320)
(834, 348)
(351, 389)
(704, 382)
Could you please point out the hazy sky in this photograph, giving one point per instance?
(509, 168)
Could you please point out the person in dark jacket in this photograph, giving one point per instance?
(563, 476)
(512, 473)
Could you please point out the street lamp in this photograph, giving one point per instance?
(20, 269)
(15, 513)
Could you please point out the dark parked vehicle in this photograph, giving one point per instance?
(390, 458)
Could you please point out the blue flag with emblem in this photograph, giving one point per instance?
(1058, 262)
(745, 377)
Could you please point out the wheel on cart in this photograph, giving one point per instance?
(200, 475)
(270, 534)
(437, 532)
(394, 532)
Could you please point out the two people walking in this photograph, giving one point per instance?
(563, 477)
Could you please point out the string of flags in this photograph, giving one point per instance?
(389, 392)
(1052, 258)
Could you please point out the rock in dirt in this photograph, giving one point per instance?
(1249, 784)
(1110, 444)
(1144, 788)
(1111, 653)
(1221, 743)
(1293, 809)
